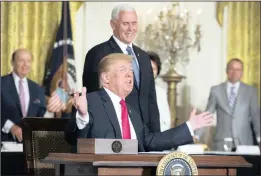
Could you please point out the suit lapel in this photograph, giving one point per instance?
(115, 47)
(14, 94)
(134, 122)
(240, 94)
(140, 65)
(225, 97)
(111, 114)
(32, 95)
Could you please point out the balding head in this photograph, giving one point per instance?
(234, 70)
(21, 62)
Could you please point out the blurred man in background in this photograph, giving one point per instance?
(22, 97)
(236, 105)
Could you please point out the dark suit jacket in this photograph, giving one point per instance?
(104, 124)
(143, 100)
(10, 104)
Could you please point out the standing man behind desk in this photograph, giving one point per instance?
(124, 24)
(237, 107)
(21, 97)
(107, 115)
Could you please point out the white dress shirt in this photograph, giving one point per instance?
(124, 46)
(83, 121)
(163, 106)
(8, 124)
(229, 85)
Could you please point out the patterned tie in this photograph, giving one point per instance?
(22, 97)
(125, 121)
(134, 66)
(232, 97)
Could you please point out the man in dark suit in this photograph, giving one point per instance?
(106, 115)
(143, 97)
(21, 97)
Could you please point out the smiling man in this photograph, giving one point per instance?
(22, 97)
(124, 24)
(236, 105)
(105, 113)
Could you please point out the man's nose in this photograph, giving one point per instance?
(130, 73)
(130, 27)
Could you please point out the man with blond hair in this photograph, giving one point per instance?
(105, 113)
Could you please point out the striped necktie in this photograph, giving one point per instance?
(134, 66)
(232, 97)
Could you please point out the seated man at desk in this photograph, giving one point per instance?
(105, 114)
(22, 97)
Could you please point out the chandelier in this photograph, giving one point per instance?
(171, 35)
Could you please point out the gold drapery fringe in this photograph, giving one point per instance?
(31, 25)
(243, 39)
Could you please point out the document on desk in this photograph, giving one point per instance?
(11, 147)
(157, 152)
(190, 149)
(228, 153)
(169, 151)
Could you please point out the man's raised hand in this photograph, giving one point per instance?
(80, 102)
(201, 120)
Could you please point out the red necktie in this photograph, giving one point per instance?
(125, 121)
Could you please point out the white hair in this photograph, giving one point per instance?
(120, 7)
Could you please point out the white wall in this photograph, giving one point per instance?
(205, 69)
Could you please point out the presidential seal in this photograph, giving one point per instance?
(116, 146)
(177, 163)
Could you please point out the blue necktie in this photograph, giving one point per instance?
(134, 66)
(232, 97)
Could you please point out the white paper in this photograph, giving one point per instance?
(248, 150)
(12, 147)
(157, 152)
(191, 149)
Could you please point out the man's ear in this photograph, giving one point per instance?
(105, 77)
(112, 23)
(12, 63)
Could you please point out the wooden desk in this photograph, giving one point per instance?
(141, 164)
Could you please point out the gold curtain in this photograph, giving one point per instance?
(243, 39)
(31, 25)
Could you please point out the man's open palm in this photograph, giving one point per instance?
(201, 120)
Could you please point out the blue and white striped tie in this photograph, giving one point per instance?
(232, 97)
(135, 66)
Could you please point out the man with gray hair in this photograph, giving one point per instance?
(124, 23)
